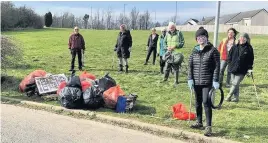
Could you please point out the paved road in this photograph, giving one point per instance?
(23, 125)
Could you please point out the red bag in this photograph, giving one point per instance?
(180, 112)
(30, 79)
(85, 85)
(85, 75)
(61, 86)
(110, 96)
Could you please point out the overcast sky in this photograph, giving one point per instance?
(164, 10)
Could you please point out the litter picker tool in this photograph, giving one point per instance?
(255, 89)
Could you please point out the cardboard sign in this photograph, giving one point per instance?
(49, 84)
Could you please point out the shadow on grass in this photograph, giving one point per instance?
(10, 83)
(221, 133)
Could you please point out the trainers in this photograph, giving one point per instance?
(196, 126)
(235, 100)
(208, 131)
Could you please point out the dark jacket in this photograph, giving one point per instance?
(152, 42)
(76, 41)
(240, 59)
(204, 66)
(124, 42)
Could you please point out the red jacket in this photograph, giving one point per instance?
(76, 41)
(223, 49)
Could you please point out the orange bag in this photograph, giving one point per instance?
(61, 86)
(85, 85)
(180, 112)
(30, 79)
(84, 75)
(110, 96)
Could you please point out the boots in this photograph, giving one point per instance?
(208, 131)
(126, 68)
(176, 78)
(166, 75)
(197, 125)
(120, 68)
(162, 70)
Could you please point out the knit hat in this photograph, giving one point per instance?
(245, 35)
(201, 32)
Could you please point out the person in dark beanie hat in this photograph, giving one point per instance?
(240, 62)
(203, 74)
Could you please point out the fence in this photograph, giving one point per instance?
(224, 28)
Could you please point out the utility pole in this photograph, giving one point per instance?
(91, 19)
(176, 15)
(124, 13)
(216, 29)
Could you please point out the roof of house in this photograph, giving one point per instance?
(206, 20)
(186, 22)
(246, 14)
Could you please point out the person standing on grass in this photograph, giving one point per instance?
(123, 47)
(76, 45)
(224, 48)
(240, 62)
(173, 41)
(152, 46)
(203, 74)
(161, 50)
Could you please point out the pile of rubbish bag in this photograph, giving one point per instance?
(84, 91)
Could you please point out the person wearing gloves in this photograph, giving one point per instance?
(152, 46)
(173, 42)
(224, 48)
(161, 49)
(203, 74)
(76, 46)
(123, 47)
(240, 62)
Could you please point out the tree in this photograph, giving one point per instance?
(147, 19)
(48, 19)
(134, 18)
(85, 18)
(157, 24)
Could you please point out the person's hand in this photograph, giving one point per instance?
(115, 49)
(169, 48)
(70, 51)
(190, 84)
(216, 85)
(250, 72)
(129, 49)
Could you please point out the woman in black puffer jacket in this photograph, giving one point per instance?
(240, 60)
(204, 68)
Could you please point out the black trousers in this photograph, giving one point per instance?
(75, 52)
(150, 50)
(201, 95)
(162, 63)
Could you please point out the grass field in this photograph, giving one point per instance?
(47, 49)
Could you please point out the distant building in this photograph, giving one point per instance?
(248, 18)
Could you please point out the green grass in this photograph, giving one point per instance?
(155, 99)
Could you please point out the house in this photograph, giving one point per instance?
(191, 21)
(224, 19)
(250, 18)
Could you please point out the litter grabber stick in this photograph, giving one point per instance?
(113, 60)
(190, 110)
(83, 58)
(255, 89)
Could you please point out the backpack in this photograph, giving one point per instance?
(106, 82)
(70, 97)
(92, 97)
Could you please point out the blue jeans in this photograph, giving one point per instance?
(236, 80)
(222, 69)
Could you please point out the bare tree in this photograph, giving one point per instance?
(109, 18)
(85, 18)
(134, 18)
(147, 19)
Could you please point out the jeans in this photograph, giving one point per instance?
(75, 52)
(222, 69)
(202, 95)
(121, 61)
(236, 80)
(151, 49)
